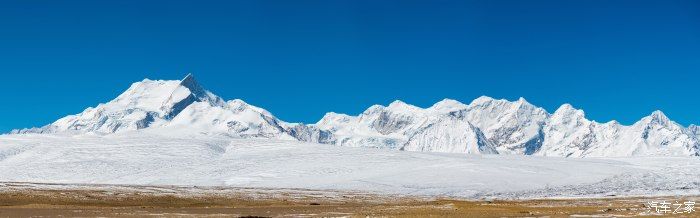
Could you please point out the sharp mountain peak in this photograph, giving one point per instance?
(502, 126)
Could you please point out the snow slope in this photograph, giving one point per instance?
(485, 126)
(154, 157)
(505, 127)
(149, 103)
(179, 107)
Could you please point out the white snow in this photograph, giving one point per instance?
(177, 133)
(507, 127)
(486, 125)
(148, 95)
(162, 158)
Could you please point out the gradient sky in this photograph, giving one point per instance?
(299, 59)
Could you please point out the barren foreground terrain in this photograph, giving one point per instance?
(53, 200)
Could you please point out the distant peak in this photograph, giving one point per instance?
(237, 102)
(657, 114)
(566, 106)
(373, 109)
(613, 123)
(397, 103)
(484, 98)
(447, 101)
(521, 101)
(658, 117)
(568, 109)
(333, 116)
(447, 104)
(400, 105)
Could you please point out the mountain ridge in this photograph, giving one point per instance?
(484, 126)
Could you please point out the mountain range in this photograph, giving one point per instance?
(484, 126)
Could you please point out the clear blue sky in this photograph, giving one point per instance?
(299, 59)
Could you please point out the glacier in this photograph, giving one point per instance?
(162, 159)
(176, 132)
(484, 126)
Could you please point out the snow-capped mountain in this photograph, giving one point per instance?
(505, 127)
(145, 104)
(440, 128)
(514, 127)
(179, 107)
(656, 134)
(485, 126)
(695, 130)
(569, 133)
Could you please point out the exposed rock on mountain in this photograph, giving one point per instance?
(485, 126)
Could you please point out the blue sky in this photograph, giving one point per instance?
(299, 59)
